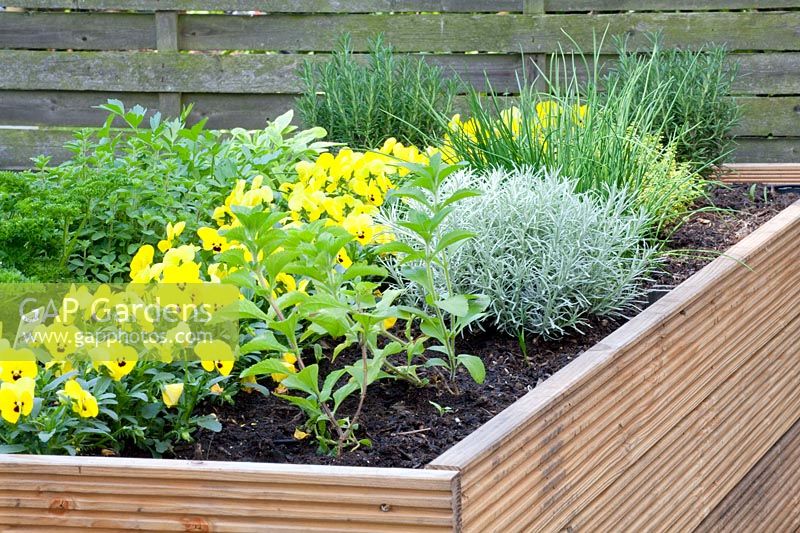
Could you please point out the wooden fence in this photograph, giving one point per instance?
(60, 57)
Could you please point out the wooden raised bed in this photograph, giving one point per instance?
(677, 420)
(766, 173)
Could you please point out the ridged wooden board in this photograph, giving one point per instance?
(768, 498)
(651, 389)
(770, 174)
(159, 495)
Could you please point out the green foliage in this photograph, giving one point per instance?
(603, 141)
(698, 84)
(546, 256)
(327, 337)
(121, 187)
(38, 214)
(339, 305)
(362, 104)
(131, 411)
(425, 255)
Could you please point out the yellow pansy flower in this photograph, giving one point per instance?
(59, 340)
(181, 274)
(173, 232)
(215, 355)
(343, 259)
(171, 394)
(180, 255)
(116, 357)
(140, 264)
(83, 402)
(288, 360)
(360, 226)
(17, 364)
(247, 384)
(388, 323)
(16, 399)
(213, 241)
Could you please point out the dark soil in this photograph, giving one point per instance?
(407, 430)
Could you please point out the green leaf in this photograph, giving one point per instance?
(363, 270)
(12, 448)
(264, 367)
(461, 194)
(343, 392)
(248, 309)
(456, 305)
(330, 382)
(263, 343)
(419, 276)
(309, 406)
(452, 237)
(307, 380)
(209, 422)
(474, 366)
(436, 361)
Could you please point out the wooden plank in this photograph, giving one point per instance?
(212, 73)
(540, 487)
(768, 74)
(371, 6)
(281, 6)
(772, 174)
(567, 493)
(769, 117)
(600, 6)
(281, 497)
(64, 108)
(18, 146)
(77, 31)
(167, 43)
(777, 150)
(510, 33)
(752, 409)
(278, 73)
(766, 497)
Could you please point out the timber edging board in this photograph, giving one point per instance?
(654, 426)
(163, 495)
(768, 174)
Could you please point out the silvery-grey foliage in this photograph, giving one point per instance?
(548, 257)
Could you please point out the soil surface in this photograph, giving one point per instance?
(408, 430)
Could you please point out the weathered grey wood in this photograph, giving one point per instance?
(533, 7)
(509, 33)
(769, 73)
(243, 73)
(370, 6)
(777, 116)
(283, 6)
(77, 31)
(18, 146)
(761, 150)
(249, 111)
(566, 6)
(765, 117)
(64, 108)
(446, 32)
(167, 42)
